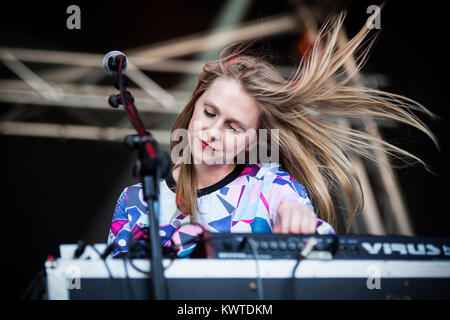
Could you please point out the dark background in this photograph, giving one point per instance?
(54, 190)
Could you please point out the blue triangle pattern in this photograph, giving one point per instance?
(184, 237)
(169, 230)
(230, 208)
(224, 190)
(300, 189)
(135, 214)
(280, 181)
(222, 225)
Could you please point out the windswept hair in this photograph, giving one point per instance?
(306, 108)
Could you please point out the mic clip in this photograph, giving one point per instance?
(115, 100)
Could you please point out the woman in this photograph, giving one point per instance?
(238, 100)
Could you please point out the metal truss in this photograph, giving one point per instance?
(71, 84)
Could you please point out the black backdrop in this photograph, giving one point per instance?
(57, 191)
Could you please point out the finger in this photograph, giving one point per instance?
(303, 222)
(282, 217)
(276, 228)
(314, 224)
(286, 222)
(308, 225)
(303, 225)
(296, 221)
(277, 225)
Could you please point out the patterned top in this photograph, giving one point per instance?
(245, 201)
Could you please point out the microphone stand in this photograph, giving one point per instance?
(152, 164)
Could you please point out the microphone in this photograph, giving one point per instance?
(111, 62)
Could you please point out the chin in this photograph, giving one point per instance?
(209, 161)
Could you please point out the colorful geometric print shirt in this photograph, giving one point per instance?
(246, 200)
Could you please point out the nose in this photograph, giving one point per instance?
(213, 134)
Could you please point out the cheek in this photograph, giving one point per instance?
(198, 121)
(195, 122)
(190, 133)
(234, 144)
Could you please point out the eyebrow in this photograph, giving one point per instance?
(212, 105)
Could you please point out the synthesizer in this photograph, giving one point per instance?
(282, 246)
(221, 267)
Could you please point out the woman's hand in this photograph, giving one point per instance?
(296, 218)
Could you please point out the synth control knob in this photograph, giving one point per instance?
(264, 245)
(282, 245)
(292, 245)
(273, 245)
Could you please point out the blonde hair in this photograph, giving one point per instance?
(314, 148)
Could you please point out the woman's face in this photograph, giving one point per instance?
(226, 118)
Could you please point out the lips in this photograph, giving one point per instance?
(206, 145)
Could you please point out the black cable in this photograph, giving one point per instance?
(109, 249)
(259, 283)
(130, 247)
(128, 280)
(129, 257)
(38, 279)
(310, 244)
(248, 240)
(105, 254)
(41, 274)
(198, 239)
(132, 243)
(111, 278)
(80, 249)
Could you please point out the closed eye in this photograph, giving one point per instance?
(211, 115)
